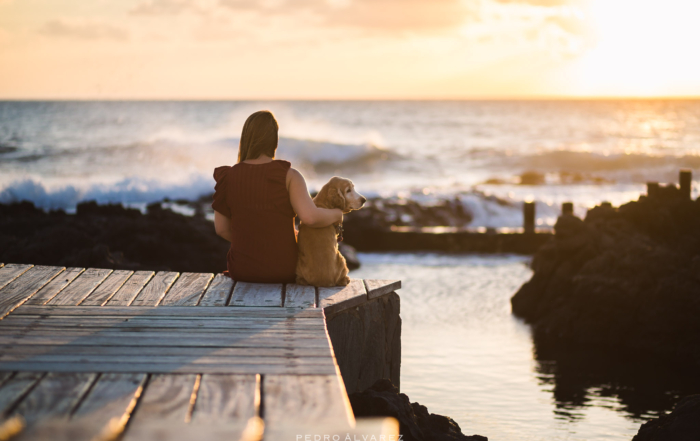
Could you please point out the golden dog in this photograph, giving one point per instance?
(320, 263)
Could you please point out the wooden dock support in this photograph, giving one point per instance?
(567, 208)
(529, 217)
(685, 179)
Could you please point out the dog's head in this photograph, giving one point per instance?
(340, 193)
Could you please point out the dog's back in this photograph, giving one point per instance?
(320, 263)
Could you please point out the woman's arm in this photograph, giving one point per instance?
(305, 208)
(222, 225)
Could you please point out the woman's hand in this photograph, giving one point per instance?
(304, 206)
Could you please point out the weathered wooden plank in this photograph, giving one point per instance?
(11, 271)
(181, 311)
(56, 395)
(106, 290)
(256, 294)
(4, 375)
(110, 397)
(187, 290)
(218, 292)
(160, 322)
(55, 286)
(298, 296)
(192, 351)
(67, 357)
(210, 341)
(225, 398)
(152, 293)
(156, 430)
(339, 298)
(178, 368)
(15, 388)
(131, 288)
(378, 288)
(166, 398)
(366, 429)
(81, 287)
(307, 399)
(23, 287)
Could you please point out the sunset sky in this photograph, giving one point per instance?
(348, 49)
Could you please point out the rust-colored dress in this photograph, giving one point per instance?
(263, 240)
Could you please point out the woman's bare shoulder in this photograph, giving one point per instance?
(294, 175)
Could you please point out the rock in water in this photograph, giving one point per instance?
(683, 424)
(626, 279)
(415, 422)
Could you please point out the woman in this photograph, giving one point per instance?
(255, 203)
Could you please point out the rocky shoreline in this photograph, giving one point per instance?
(416, 423)
(625, 279)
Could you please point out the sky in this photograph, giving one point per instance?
(348, 49)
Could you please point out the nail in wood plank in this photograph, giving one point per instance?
(378, 288)
(298, 296)
(256, 294)
(131, 289)
(307, 399)
(23, 287)
(225, 398)
(187, 290)
(218, 292)
(154, 291)
(15, 387)
(55, 286)
(107, 288)
(11, 271)
(81, 287)
(333, 300)
(56, 395)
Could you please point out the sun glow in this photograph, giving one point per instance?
(642, 48)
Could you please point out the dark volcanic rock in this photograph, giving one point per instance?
(415, 422)
(683, 424)
(110, 236)
(625, 279)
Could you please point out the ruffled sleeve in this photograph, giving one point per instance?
(220, 204)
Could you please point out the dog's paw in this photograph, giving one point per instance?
(345, 281)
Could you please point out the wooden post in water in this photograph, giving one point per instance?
(529, 217)
(685, 178)
(567, 208)
(652, 189)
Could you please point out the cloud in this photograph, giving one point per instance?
(547, 3)
(164, 7)
(81, 29)
(389, 15)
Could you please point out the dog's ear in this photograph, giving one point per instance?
(336, 197)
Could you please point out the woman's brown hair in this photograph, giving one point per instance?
(259, 136)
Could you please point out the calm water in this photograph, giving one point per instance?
(465, 355)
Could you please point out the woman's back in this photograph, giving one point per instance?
(256, 200)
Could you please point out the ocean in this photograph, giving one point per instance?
(464, 354)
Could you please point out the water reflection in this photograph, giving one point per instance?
(639, 386)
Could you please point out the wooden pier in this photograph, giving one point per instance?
(99, 354)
